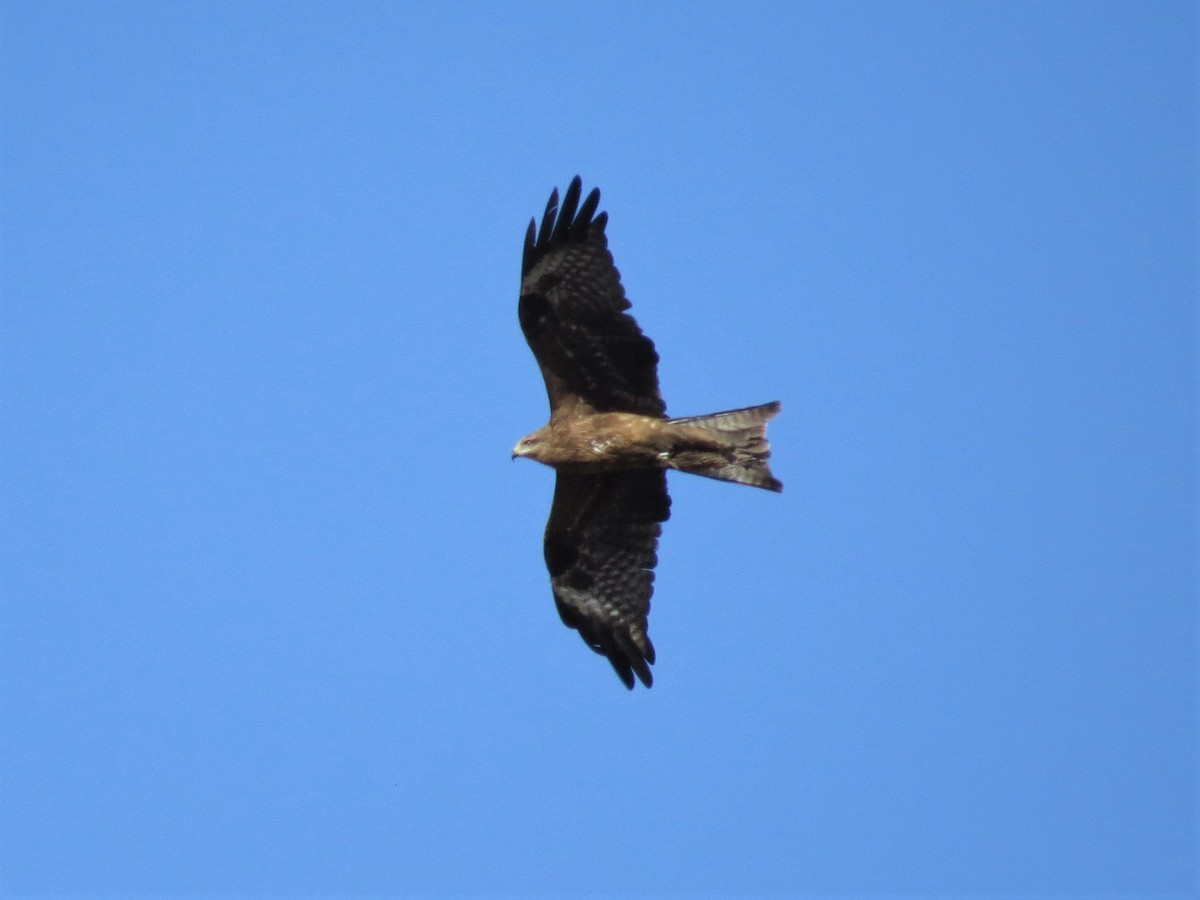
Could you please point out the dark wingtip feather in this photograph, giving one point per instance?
(627, 668)
(628, 657)
(633, 650)
(530, 241)
(623, 670)
(568, 221)
(584, 219)
(626, 653)
(549, 216)
(643, 672)
(566, 212)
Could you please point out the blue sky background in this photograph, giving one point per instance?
(274, 614)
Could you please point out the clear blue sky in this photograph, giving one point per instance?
(274, 614)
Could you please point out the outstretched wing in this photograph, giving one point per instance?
(572, 310)
(601, 548)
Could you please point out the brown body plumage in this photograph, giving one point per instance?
(609, 437)
(730, 446)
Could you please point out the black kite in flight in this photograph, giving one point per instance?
(609, 437)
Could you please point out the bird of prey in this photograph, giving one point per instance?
(609, 438)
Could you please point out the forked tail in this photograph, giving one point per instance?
(730, 446)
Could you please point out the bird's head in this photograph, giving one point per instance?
(528, 446)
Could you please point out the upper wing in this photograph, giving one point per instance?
(601, 548)
(572, 310)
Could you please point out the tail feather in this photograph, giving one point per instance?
(731, 446)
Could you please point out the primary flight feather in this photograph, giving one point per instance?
(608, 436)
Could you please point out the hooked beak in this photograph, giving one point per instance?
(525, 449)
